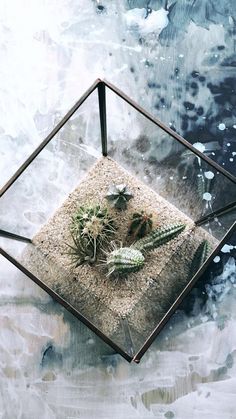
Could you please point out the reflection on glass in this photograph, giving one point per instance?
(219, 225)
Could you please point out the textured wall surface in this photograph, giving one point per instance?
(177, 59)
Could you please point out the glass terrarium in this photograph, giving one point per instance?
(116, 216)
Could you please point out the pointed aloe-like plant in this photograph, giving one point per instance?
(140, 225)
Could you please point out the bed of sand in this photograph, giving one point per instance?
(142, 297)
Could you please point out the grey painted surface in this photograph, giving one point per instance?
(179, 65)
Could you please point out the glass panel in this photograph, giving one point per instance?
(206, 301)
(167, 166)
(189, 186)
(218, 226)
(62, 280)
(54, 173)
(162, 184)
(167, 286)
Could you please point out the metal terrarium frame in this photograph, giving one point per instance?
(101, 86)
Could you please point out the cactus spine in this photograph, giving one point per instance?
(159, 237)
(124, 260)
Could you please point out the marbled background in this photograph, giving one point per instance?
(177, 59)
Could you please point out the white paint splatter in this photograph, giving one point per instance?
(209, 175)
(199, 147)
(221, 127)
(226, 248)
(207, 196)
(154, 22)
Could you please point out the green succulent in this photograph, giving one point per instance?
(140, 225)
(131, 259)
(124, 260)
(118, 196)
(91, 228)
(159, 236)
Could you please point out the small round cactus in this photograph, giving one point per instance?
(124, 260)
(118, 196)
(140, 225)
(91, 227)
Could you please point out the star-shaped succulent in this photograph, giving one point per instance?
(118, 196)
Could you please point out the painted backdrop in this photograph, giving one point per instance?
(177, 58)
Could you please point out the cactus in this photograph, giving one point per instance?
(124, 260)
(118, 196)
(91, 228)
(140, 225)
(200, 256)
(159, 237)
(93, 222)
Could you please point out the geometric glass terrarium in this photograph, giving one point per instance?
(116, 216)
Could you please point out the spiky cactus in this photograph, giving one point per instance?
(200, 256)
(91, 228)
(124, 260)
(159, 237)
(118, 196)
(140, 225)
(131, 259)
